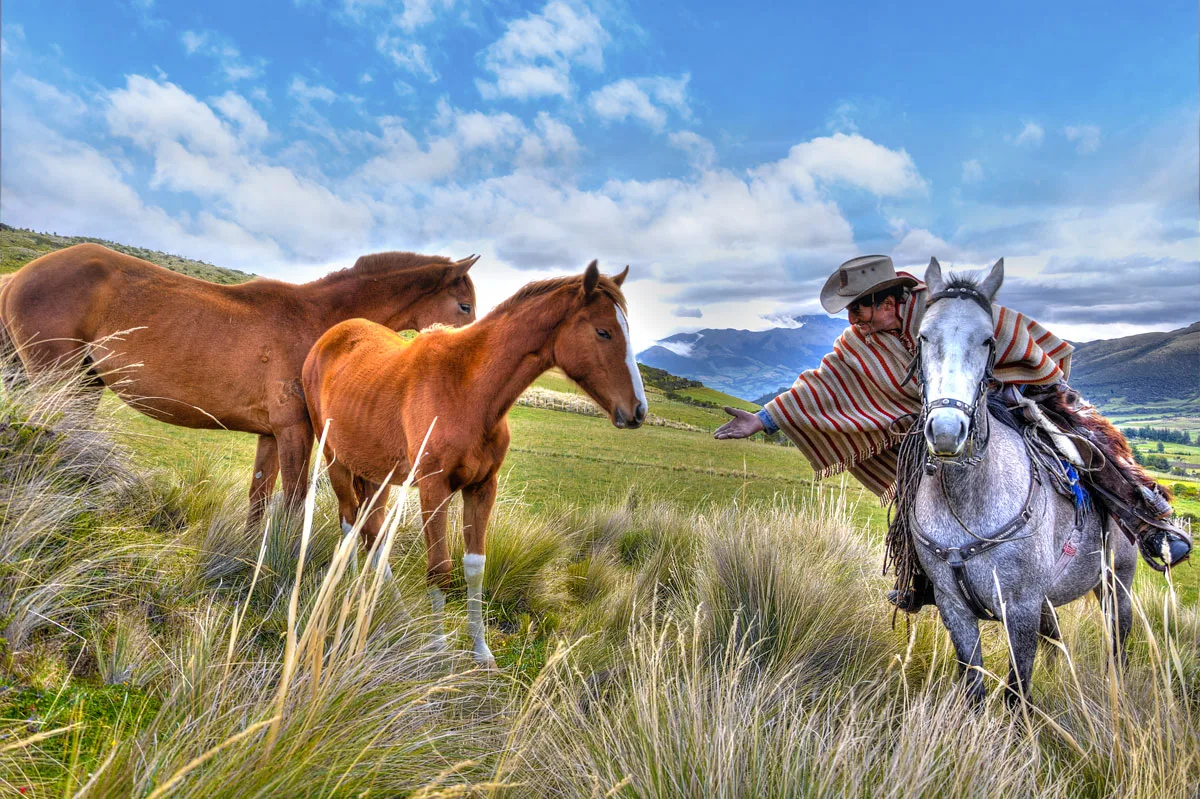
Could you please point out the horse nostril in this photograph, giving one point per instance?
(639, 413)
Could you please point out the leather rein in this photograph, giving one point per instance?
(957, 557)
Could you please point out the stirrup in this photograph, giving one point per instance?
(907, 601)
(1163, 545)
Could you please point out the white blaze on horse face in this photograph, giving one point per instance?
(634, 373)
(954, 357)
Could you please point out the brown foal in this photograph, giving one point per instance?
(381, 396)
(197, 354)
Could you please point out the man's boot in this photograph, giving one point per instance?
(913, 600)
(1159, 538)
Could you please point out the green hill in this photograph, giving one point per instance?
(1149, 373)
(19, 246)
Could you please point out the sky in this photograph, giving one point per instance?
(733, 157)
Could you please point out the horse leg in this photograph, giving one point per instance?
(964, 633)
(1022, 625)
(345, 490)
(294, 445)
(1050, 631)
(435, 495)
(373, 523)
(477, 509)
(262, 481)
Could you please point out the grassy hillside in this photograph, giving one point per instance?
(1142, 373)
(19, 246)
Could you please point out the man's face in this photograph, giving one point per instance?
(869, 319)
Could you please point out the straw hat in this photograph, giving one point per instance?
(859, 277)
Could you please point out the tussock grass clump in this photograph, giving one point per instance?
(67, 499)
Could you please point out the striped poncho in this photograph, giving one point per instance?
(839, 413)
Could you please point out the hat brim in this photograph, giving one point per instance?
(833, 302)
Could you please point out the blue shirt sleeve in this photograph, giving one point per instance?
(769, 425)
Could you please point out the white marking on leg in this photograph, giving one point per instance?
(634, 373)
(258, 475)
(473, 571)
(347, 528)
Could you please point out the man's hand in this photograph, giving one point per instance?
(742, 425)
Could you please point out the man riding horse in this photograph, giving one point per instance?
(843, 415)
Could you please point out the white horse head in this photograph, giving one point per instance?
(957, 347)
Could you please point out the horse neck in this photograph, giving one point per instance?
(380, 298)
(514, 348)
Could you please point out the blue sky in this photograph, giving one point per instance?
(732, 157)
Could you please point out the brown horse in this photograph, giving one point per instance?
(197, 354)
(382, 395)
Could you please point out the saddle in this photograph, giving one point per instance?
(1098, 453)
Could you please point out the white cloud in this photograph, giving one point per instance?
(1031, 135)
(238, 110)
(408, 56)
(700, 151)
(535, 55)
(1086, 137)
(226, 54)
(643, 99)
(851, 160)
(65, 107)
(366, 78)
(972, 171)
(305, 92)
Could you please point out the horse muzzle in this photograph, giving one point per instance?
(946, 432)
(632, 422)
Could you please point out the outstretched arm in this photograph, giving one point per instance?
(742, 425)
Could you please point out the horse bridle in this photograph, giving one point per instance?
(957, 557)
(974, 449)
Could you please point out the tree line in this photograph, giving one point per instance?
(1164, 434)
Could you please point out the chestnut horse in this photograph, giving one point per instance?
(202, 355)
(382, 395)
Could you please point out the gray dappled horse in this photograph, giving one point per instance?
(994, 537)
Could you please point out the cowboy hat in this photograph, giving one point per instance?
(858, 277)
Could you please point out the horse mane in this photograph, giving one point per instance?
(606, 285)
(386, 263)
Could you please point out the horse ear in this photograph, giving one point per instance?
(619, 279)
(459, 269)
(591, 277)
(933, 276)
(991, 284)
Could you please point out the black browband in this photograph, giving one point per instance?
(962, 293)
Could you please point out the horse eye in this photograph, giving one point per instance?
(464, 307)
(604, 334)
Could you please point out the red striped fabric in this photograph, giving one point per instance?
(835, 414)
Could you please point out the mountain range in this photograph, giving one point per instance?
(746, 363)
(1132, 371)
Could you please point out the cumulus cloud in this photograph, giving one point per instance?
(1031, 135)
(688, 313)
(195, 152)
(642, 99)
(851, 160)
(1085, 137)
(535, 55)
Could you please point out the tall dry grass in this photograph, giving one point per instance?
(732, 651)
